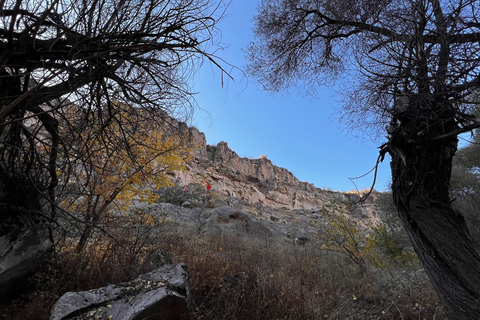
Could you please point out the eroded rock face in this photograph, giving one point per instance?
(23, 249)
(161, 294)
(257, 181)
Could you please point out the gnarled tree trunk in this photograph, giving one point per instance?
(421, 167)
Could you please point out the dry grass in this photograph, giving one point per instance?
(242, 278)
(239, 278)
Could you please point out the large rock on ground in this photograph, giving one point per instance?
(237, 222)
(22, 251)
(161, 294)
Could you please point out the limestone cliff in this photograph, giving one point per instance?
(257, 181)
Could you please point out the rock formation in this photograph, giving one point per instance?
(24, 233)
(257, 181)
(22, 250)
(161, 294)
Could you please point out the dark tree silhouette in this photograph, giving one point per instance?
(107, 58)
(413, 66)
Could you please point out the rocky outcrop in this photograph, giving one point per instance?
(24, 234)
(257, 181)
(161, 294)
(23, 249)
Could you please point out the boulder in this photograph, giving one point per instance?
(228, 219)
(187, 204)
(23, 249)
(161, 294)
(274, 218)
(301, 241)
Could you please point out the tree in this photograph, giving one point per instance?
(414, 67)
(465, 187)
(340, 233)
(361, 244)
(106, 57)
(114, 176)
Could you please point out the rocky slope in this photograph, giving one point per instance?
(259, 181)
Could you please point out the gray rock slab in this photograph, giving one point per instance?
(22, 254)
(161, 294)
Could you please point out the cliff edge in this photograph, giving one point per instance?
(257, 181)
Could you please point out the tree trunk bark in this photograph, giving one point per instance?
(421, 168)
(86, 234)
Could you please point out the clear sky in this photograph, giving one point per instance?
(301, 134)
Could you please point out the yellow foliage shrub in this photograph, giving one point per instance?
(122, 164)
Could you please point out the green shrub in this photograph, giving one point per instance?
(177, 195)
(390, 252)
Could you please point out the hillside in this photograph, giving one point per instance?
(259, 182)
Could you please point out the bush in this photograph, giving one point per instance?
(341, 234)
(194, 196)
(177, 195)
(390, 249)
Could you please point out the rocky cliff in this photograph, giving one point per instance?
(257, 181)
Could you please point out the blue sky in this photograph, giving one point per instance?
(301, 134)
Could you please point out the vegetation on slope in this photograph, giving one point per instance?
(235, 277)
